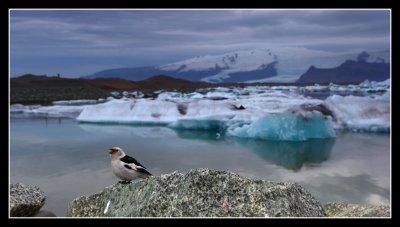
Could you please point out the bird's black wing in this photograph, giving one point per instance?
(143, 170)
(127, 166)
(139, 169)
(128, 159)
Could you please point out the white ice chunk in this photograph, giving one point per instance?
(360, 113)
(48, 111)
(131, 111)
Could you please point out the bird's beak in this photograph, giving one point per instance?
(110, 151)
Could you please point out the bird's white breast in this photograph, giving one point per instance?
(122, 172)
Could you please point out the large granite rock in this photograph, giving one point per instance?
(200, 192)
(25, 200)
(341, 209)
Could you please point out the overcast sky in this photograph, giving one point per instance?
(80, 42)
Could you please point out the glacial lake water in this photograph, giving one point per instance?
(67, 159)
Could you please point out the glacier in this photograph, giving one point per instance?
(275, 64)
(289, 62)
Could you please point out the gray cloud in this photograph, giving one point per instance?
(101, 38)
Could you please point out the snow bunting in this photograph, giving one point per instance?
(125, 167)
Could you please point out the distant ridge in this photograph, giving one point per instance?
(350, 71)
(266, 65)
(154, 82)
(235, 67)
(30, 89)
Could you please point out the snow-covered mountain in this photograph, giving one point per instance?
(231, 67)
(283, 64)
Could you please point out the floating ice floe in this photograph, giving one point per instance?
(258, 116)
(49, 111)
(254, 112)
(60, 109)
(260, 113)
(287, 126)
(360, 113)
(19, 108)
(364, 87)
(78, 102)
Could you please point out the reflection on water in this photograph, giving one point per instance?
(291, 155)
(199, 135)
(67, 159)
(137, 130)
(351, 189)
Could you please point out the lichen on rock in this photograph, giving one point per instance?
(25, 200)
(341, 209)
(199, 193)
